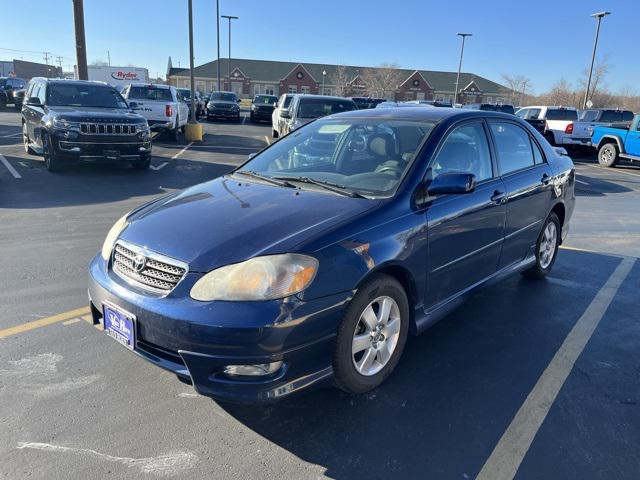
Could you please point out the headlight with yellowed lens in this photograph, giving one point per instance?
(112, 236)
(260, 278)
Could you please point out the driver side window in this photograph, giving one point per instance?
(465, 150)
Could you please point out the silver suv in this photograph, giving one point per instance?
(305, 108)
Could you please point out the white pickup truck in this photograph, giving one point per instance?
(558, 123)
(162, 106)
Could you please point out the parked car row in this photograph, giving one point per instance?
(303, 109)
(12, 91)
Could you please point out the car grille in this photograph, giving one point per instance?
(222, 105)
(148, 271)
(108, 129)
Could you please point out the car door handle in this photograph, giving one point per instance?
(545, 179)
(498, 197)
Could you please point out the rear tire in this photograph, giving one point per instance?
(274, 133)
(608, 155)
(3, 101)
(546, 248)
(550, 138)
(370, 342)
(175, 133)
(26, 141)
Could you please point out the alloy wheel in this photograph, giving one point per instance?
(376, 336)
(548, 245)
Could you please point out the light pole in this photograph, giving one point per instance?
(192, 110)
(599, 16)
(229, 17)
(455, 95)
(324, 73)
(218, 36)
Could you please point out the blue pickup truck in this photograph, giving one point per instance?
(617, 141)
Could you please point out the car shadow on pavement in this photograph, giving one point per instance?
(455, 391)
(590, 186)
(100, 183)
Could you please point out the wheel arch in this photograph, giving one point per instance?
(607, 139)
(406, 280)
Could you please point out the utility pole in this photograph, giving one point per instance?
(455, 95)
(229, 17)
(218, 35)
(524, 87)
(45, 55)
(599, 16)
(192, 110)
(108, 57)
(81, 44)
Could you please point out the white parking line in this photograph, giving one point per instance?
(11, 135)
(580, 181)
(181, 151)
(611, 170)
(267, 139)
(244, 119)
(162, 165)
(507, 456)
(12, 170)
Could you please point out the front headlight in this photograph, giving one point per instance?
(260, 278)
(65, 124)
(112, 236)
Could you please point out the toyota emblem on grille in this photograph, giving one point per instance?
(139, 262)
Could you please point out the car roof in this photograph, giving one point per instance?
(559, 107)
(221, 91)
(422, 113)
(324, 97)
(155, 85)
(70, 80)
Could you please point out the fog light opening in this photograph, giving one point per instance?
(258, 370)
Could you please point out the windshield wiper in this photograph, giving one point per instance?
(266, 178)
(333, 187)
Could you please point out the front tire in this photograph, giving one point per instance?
(274, 133)
(142, 164)
(51, 161)
(26, 141)
(608, 155)
(546, 248)
(372, 335)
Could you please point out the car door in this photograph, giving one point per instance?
(632, 143)
(33, 113)
(466, 230)
(528, 181)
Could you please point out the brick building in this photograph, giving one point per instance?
(28, 70)
(251, 77)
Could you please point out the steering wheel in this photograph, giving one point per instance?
(388, 168)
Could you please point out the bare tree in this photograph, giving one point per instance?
(383, 80)
(340, 79)
(516, 87)
(561, 93)
(600, 70)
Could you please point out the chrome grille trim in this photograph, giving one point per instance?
(108, 128)
(160, 275)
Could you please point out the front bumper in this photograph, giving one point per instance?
(196, 340)
(223, 113)
(83, 148)
(261, 115)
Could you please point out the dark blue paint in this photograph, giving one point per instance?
(441, 248)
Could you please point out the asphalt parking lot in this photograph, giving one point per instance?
(490, 391)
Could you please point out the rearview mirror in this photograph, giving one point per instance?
(452, 183)
(34, 101)
(285, 114)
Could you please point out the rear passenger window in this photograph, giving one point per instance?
(514, 147)
(538, 158)
(465, 150)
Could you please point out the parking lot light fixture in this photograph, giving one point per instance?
(599, 16)
(455, 94)
(229, 17)
(324, 74)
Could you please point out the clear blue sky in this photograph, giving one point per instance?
(543, 40)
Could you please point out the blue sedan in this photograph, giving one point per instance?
(314, 260)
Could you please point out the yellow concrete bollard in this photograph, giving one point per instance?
(193, 132)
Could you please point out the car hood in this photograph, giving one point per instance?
(77, 114)
(222, 102)
(229, 220)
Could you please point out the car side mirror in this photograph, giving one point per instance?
(452, 184)
(34, 101)
(238, 100)
(285, 114)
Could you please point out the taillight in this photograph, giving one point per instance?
(168, 111)
(569, 129)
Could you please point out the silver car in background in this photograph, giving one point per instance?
(305, 108)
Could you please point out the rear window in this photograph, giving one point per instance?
(506, 109)
(589, 115)
(185, 92)
(561, 114)
(320, 107)
(287, 101)
(616, 116)
(150, 93)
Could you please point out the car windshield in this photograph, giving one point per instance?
(150, 92)
(84, 95)
(287, 101)
(185, 92)
(366, 156)
(321, 107)
(223, 96)
(264, 100)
